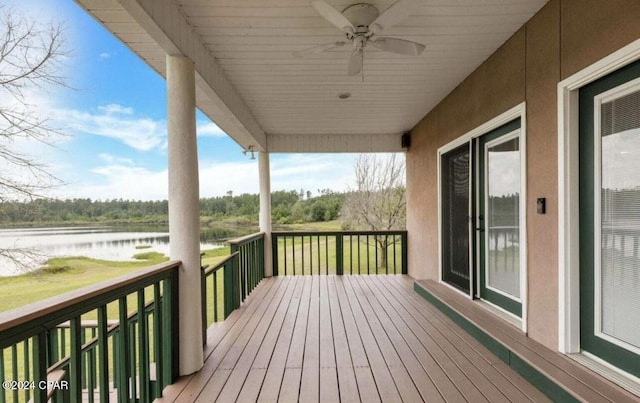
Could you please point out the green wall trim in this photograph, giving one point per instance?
(547, 386)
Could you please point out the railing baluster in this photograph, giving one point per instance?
(83, 357)
(131, 326)
(318, 244)
(25, 366)
(359, 265)
(103, 355)
(39, 359)
(302, 251)
(386, 254)
(123, 350)
(157, 338)
(339, 255)
(243, 257)
(215, 298)
(311, 253)
(368, 265)
(75, 364)
(143, 351)
(293, 242)
(326, 254)
(91, 364)
(284, 239)
(14, 370)
(375, 248)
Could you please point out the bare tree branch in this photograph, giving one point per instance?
(31, 59)
(378, 201)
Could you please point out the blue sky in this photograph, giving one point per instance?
(115, 121)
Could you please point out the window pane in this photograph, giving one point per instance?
(620, 219)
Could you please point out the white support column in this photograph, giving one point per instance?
(265, 209)
(184, 214)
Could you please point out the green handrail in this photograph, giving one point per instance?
(64, 356)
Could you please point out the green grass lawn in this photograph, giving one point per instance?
(64, 274)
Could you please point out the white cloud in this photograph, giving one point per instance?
(209, 129)
(121, 179)
(104, 55)
(112, 159)
(110, 109)
(216, 178)
(116, 122)
(312, 172)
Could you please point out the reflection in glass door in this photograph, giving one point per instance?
(499, 189)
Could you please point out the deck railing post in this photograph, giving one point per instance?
(274, 253)
(339, 255)
(403, 242)
(203, 296)
(39, 366)
(231, 285)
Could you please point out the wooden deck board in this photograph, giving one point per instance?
(412, 381)
(512, 385)
(348, 387)
(345, 338)
(582, 383)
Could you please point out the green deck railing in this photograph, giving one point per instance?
(216, 288)
(70, 347)
(250, 262)
(339, 252)
(226, 285)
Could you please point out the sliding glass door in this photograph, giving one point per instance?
(481, 216)
(455, 209)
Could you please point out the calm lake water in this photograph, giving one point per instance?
(100, 242)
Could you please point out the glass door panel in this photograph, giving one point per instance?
(610, 218)
(455, 175)
(499, 168)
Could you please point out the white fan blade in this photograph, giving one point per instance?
(355, 62)
(400, 46)
(318, 49)
(333, 16)
(393, 15)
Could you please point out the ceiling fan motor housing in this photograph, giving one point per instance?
(361, 16)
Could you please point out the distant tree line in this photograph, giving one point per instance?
(287, 207)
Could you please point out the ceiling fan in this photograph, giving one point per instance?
(362, 23)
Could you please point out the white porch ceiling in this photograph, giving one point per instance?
(252, 86)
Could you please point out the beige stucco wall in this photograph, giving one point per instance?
(561, 39)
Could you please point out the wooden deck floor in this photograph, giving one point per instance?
(346, 338)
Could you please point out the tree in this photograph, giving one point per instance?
(378, 201)
(31, 56)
